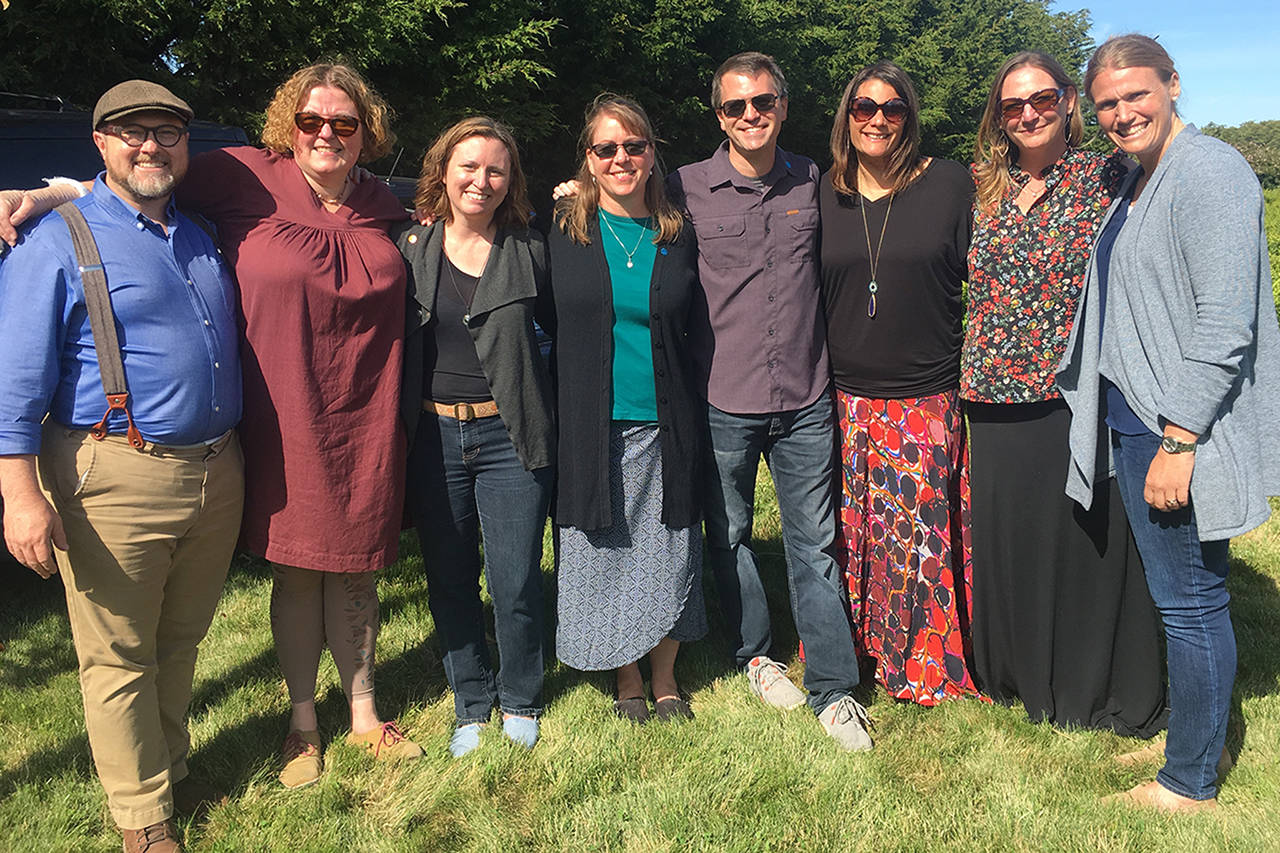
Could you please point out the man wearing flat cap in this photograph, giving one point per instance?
(141, 521)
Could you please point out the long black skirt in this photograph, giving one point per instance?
(1062, 618)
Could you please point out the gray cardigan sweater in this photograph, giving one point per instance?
(1190, 334)
(502, 314)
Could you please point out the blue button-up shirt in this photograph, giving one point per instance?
(174, 303)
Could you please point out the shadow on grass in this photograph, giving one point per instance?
(1255, 616)
(28, 601)
(70, 757)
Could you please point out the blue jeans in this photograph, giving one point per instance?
(799, 448)
(1188, 582)
(466, 481)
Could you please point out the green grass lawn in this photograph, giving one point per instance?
(964, 776)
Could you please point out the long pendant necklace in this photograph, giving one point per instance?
(873, 287)
(466, 303)
(605, 218)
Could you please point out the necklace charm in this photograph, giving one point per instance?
(630, 263)
(631, 254)
(874, 257)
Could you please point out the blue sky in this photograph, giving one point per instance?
(1227, 51)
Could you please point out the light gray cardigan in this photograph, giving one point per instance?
(1191, 334)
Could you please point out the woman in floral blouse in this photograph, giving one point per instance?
(1061, 614)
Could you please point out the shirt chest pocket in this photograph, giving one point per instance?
(802, 230)
(722, 242)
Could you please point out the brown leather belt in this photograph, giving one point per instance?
(462, 411)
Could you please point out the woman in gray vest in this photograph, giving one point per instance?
(1188, 376)
(477, 403)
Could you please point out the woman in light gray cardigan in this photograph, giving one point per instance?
(1188, 380)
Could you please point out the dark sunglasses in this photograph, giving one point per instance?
(1041, 102)
(865, 109)
(762, 103)
(135, 135)
(607, 150)
(343, 126)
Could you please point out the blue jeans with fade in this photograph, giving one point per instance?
(799, 448)
(466, 483)
(1188, 582)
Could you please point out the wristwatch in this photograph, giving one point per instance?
(1169, 444)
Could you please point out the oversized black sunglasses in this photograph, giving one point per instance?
(736, 107)
(1041, 102)
(135, 135)
(607, 150)
(864, 109)
(343, 126)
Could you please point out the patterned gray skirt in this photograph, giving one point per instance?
(624, 588)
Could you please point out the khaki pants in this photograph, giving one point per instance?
(151, 537)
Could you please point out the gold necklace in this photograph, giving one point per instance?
(873, 287)
(643, 228)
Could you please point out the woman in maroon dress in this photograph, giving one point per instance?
(322, 295)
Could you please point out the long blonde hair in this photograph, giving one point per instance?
(994, 151)
(575, 215)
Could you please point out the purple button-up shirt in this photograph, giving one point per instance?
(759, 341)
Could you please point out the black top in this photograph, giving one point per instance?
(583, 357)
(911, 348)
(451, 367)
(512, 288)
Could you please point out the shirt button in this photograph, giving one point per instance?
(771, 333)
(772, 297)
(190, 282)
(657, 316)
(206, 322)
(216, 365)
(769, 264)
(217, 408)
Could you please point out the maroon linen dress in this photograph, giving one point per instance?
(322, 323)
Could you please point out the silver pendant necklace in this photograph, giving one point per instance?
(643, 229)
(873, 287)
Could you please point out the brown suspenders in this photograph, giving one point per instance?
(103, 321)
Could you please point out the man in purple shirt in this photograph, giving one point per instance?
(760, 345)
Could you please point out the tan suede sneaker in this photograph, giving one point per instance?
(386, 742)
(302, 762)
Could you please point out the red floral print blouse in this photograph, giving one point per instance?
(1025, 275)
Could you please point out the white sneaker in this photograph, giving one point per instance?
(768, 680)
(847, 722)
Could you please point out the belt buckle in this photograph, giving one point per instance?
(463, 412)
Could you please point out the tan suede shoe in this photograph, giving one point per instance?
(302, 762)
(386, 742)
(156, 838)
(1154, 795)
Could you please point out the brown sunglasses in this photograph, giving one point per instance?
(343, 126)
(1041, 101)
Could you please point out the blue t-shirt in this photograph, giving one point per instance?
(1119, 416)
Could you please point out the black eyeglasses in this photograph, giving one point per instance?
(737, 106)
(343, 126)
(865, 109)
(608, 150)
(136, 135)
(1041, 102)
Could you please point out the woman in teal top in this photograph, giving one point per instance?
(624, 276)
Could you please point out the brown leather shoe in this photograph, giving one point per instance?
(1154, 795)
(192, 798)
(157, 838)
